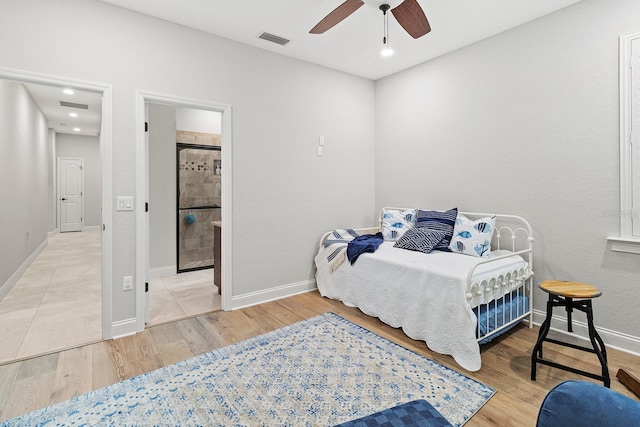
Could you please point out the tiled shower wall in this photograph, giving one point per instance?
(200, 185)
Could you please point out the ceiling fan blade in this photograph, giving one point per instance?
(335, 17)
(411, 17)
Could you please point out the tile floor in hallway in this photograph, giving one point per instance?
(182, 295)
(57, 303)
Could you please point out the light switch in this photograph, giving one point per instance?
(124, 203)
(321, 140)
(319, 150)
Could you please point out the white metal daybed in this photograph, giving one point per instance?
(452, 301)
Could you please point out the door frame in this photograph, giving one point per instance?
(106, 157)
(142, 178)
(59, 187)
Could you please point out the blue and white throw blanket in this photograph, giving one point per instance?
(361, 244)
(335, 246)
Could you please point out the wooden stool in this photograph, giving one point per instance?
(562, 294)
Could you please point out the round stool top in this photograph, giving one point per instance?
(570, 289)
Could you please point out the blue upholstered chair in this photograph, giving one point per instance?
(586, 404)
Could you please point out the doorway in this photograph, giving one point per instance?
(144, 100)
(71, 190)
(100, 234)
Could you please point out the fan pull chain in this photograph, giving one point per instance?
(386, 50)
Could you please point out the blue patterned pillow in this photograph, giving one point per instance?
(438, 220)
(420, 239)
(473, 237)
(396, 222)
(414, 413)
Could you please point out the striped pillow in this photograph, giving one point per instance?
(441, 221)
(419, 239)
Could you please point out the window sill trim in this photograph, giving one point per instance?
(622, 244)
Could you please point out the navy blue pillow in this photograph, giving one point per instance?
(441, 221)
(419, 239)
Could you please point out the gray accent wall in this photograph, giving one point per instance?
(526, 123)
(162, 186)
(24, 178)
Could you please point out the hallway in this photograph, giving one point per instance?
(57, 303)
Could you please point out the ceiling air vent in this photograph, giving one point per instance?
(74, 105)
(273, 38)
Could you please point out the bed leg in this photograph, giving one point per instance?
(531, 320)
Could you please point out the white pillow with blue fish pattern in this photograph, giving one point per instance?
(473, 237)
(396, 222)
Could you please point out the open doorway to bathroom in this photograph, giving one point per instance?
(185, 200)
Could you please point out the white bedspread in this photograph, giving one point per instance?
(429, 303)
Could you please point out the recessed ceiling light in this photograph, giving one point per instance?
(73, 114)
(77, 129)
(68, 92)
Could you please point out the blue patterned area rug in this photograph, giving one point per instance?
(317, 372)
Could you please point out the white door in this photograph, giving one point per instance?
(70, 181)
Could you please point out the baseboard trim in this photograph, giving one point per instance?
(10, 283)
(612, 339)
(155, 273)
(272, 294)
(124, 328)
(91, 228)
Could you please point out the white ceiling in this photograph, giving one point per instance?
(353, 45)
(48, 99)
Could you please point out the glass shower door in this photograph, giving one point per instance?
(199, 204)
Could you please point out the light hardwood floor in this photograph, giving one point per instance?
(45, 380)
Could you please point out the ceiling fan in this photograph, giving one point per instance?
(409, 15)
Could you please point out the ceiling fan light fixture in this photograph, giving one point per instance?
(408, 13)
(386, 49)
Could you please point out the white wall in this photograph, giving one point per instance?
(24, 169)
(525, 122)
(192, 120)
(88, 148)
(284, 196)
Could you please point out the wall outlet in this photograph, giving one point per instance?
(127, 283)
